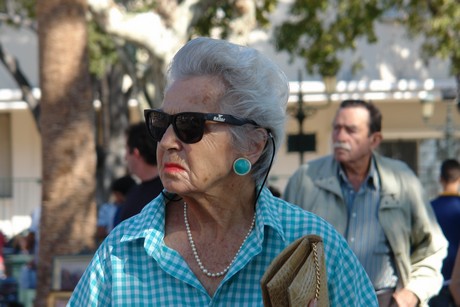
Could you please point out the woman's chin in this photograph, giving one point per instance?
(175, 187)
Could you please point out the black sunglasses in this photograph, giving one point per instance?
(188, 126)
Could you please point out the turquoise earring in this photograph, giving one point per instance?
(242, 166)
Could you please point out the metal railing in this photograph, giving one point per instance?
(18, 197)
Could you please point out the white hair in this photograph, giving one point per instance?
(255, 88)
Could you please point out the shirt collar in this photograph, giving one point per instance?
(372, 178)
(149, 221)
(149, 224)
(268, 214)
(449, 194)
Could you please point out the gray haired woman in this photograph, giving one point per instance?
(208, 239)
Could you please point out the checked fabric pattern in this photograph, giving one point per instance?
(133, 266)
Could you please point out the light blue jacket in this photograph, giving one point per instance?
(405, 214)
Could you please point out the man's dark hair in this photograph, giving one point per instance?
(123, 184)
(375, 122)
(450, 170)
(138, 137)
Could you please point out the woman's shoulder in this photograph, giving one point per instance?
(150, 218)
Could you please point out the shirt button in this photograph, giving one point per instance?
(352, 239)
(353, 215)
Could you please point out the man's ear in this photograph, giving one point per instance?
(376, 139)
(136, 152)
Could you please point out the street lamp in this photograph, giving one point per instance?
(307, 142)
(427, 107)
(449, 127)
(330, 83)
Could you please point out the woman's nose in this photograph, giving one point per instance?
(169, 138)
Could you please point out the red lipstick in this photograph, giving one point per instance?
(172, 167)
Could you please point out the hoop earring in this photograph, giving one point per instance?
(242, 166)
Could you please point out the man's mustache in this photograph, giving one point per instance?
(342, 145)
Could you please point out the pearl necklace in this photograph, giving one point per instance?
(195, 252)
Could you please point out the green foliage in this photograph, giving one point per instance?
(319, 30)
(221, 13)
(316, 31)
(19, 9)
(29, 8)
(102, 50)
(212, 18)
(137, 6)
(263, 9)
(438, 23)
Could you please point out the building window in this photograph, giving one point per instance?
(406, 151)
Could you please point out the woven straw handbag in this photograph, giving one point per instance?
(297, 275)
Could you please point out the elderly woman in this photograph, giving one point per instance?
(208, 239)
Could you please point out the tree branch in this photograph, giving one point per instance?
(146, 29)
(12, 65)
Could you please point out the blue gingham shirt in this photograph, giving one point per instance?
(133, 266)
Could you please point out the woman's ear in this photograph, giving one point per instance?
(258, 140)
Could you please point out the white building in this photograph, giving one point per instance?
(20, 145)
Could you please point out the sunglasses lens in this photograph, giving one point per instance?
(189, 127)
(158, 123)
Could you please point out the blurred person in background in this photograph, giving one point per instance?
(106, 213)
(378, 205)
(141, 159)
(28, 276)
(447, 209)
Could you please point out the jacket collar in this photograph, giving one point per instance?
(388, 181)
(328, 176)
(329, 180)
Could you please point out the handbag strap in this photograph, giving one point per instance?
(317, 269)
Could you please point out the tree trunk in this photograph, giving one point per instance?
(68, 217)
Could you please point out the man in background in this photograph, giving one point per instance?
(141, 159)
(447, 209)
(377, 204)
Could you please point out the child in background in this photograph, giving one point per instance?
(119, 188)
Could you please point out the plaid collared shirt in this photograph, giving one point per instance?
(133, 266)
